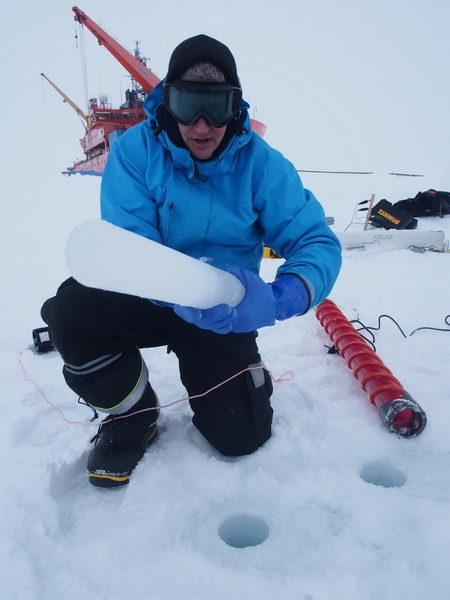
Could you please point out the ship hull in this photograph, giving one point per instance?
(92, 166)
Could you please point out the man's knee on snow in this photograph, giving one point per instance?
(230, 445)
(241, 427)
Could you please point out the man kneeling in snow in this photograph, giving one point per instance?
(193, 177)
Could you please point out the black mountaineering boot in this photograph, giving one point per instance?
(121, 442)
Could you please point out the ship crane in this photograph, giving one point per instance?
(80, 113)
(139, 71)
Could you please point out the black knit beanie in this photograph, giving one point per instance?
(202, 48)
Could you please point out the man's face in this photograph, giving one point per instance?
(201, 138)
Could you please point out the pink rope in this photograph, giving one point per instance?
(285, 377)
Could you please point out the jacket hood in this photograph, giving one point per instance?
(181, 156)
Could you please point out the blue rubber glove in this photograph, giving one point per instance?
(218, 318)
(264, 303)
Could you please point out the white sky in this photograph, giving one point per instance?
(352, 85)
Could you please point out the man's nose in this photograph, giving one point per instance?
(202, 125)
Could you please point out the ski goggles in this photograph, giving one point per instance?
(187, 101)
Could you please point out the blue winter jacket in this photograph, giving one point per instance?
(223, 209)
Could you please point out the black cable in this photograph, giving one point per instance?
(379, 325)
(447, 322)
(371, 341)
(354, 219)
(370, 330)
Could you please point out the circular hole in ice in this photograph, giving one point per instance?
(243, 530)
(380, 472)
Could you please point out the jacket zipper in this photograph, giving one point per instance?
(197, 173)
(169, 220)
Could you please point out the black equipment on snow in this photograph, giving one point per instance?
(41, 340)
(426, 204)
(385, 215)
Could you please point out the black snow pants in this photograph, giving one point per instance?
(99, 334)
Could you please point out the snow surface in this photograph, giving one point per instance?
(352, 511)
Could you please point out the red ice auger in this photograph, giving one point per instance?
(397, 409)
